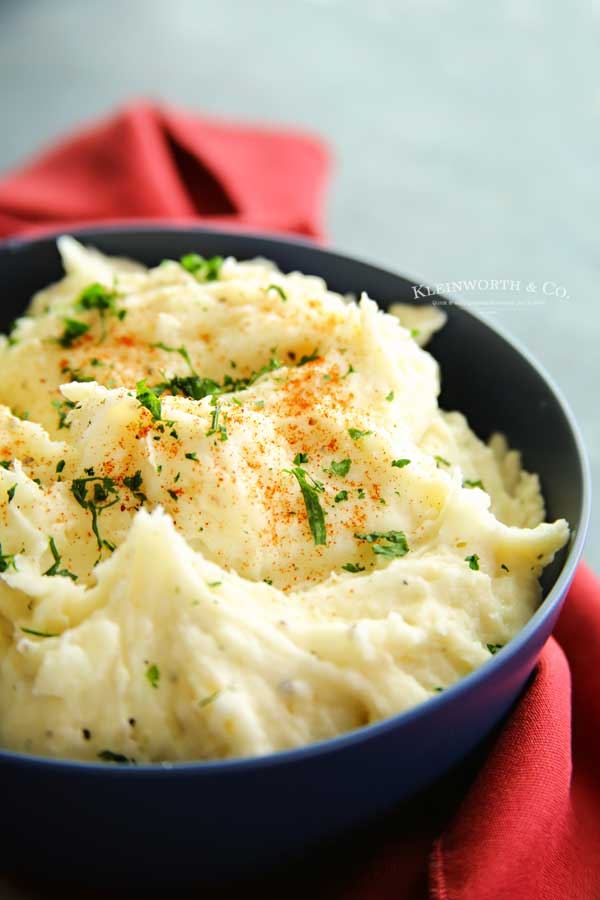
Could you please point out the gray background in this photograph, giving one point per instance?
(465, 134)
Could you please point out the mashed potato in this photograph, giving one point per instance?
(233, 519)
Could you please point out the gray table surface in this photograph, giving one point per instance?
(465, 134)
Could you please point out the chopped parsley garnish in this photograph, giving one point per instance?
(356, 433)
(146, 398)
(6, 463)
(191, 456)
(60, 465)
(493, 648)
(505, 567)
(441, 461)
(11, 492)
(192, 386)
(7, 560)
(390, 397)
(181, 350)
(44, 634)
(173, 495)
(63, 407)
(268, 581)
(210, 699)
(196, 387)
(215, 427)
(300, 458)
(279, 289)
(74, 329)
(351, 369)
(134, 483)
(414, 332)
(341, 496)
(213, 584)
(361, 493)
(438, 690)
(395, 543)
(309, 357)
(97, 296)
(353, 567)
(473, 484)
(473, 561)
(75, 374)
(202, 269)
(153, 675)
(103, 495)
(314, 510)
(341, 468)
(54, 570)
(110, 756)
(400, 463)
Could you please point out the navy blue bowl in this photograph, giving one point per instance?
(224, 819)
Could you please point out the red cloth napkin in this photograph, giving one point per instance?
(519, 821)
(159, 163)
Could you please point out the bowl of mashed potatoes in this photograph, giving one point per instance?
(278, 544)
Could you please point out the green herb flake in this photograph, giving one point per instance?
(473, 484)
(110, 756)
(11, 492)
(353, 567)
(146, 398)
(268, 581)
(314, 510)
(215, 427)
(54, 568)
(340, 468)
(505, 567)
(60, 465)
(311, 357)
(441, 461)
(356, 433)
(400, 463)
(300, 458)
(97, 296)
(493, 648)
(214, 584)
(279, 290)
(134, 483)
(6, 463)
(390, 397)
(438, 690)
(173, 495)
(63, 407)
(153, 675)
(182, 352)
(361, 494)
(473, 561)
(394, 547)
(36, 633)
(73, 330)
(103, 495)
(341, 496)
(202, 269)
(207, 700)
(351, 369)
(7, 560)
(191, 456)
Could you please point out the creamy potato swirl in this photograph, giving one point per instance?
(233, 518)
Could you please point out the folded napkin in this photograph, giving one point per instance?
(521, 819)
(159, 163)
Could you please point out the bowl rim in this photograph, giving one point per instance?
(376, 729)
